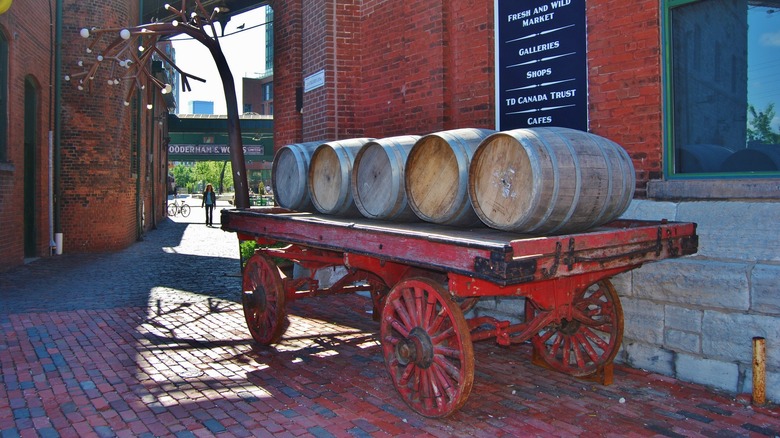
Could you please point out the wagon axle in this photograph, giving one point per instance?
(417, 349)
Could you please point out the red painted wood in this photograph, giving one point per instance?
(476, 253)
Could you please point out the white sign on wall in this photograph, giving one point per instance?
(314, 81)
(541, 64)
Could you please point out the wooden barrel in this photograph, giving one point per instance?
(550, 180)
(378, 185)
(437, 176)
(290, 173)
(330, 174)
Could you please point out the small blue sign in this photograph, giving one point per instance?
(541, 64)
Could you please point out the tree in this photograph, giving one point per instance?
(132, 49)
(215, 173)
(760, 125)
(182, 175)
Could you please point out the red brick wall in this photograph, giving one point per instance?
(470, 64)
(428, 65)
(624, 80)
(98, 203)
(25, 27)
(403, 68)
(98, 189)
(288, 22)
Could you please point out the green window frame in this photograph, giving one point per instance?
(718, 122)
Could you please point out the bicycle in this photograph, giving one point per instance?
(177, 208)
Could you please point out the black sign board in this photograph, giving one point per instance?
(541, 64)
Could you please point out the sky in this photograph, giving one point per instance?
(245, 53)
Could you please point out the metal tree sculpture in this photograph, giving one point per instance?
(131, 50)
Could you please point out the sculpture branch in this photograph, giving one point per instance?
(124, 51)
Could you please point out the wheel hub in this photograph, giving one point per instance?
(258, 298)
(569, 327)
(417, 349)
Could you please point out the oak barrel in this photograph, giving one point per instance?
(290, 173)
(378, 185)
(437, 176)
(550, 180)
(330, 174)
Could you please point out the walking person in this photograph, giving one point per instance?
(209, 201)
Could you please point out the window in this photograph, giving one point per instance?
(723, 98)
(268, 90)
(3, 99)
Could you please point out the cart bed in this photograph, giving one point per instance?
(497, 256)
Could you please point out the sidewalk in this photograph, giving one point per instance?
(151, 341)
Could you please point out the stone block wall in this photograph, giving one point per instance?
(695, 318)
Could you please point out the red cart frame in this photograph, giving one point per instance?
(423, 278)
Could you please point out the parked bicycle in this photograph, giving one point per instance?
(178, 208)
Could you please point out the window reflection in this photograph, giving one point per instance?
(725, 59)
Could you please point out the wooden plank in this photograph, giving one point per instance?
(493, 255)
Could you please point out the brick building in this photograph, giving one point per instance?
(80, 165)
(662, 81)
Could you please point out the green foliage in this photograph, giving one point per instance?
(760, 125)
(195, 178)
(182, 175)
(247, 249)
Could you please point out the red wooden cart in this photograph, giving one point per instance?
(424, 277)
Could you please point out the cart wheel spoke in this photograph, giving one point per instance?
(445, 380)
(264, 300)
(591, 339)
(427, 347)
(401, 316)
(587, 347)
(450, 368)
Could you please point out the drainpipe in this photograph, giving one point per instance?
(58, 129)
(52, 244)
(139, 101)
(152, 164)
(138, 143)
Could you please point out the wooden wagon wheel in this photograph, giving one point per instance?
(583, 345)
(427, 347)
(264, 300)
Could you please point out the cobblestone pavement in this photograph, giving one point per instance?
(150, 341)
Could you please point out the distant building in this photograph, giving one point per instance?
(259, 96)
(258, 93)
(201, 107)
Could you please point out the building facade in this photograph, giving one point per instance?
(662, 82)
(79, 171)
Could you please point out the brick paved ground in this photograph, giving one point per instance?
(150, 341)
